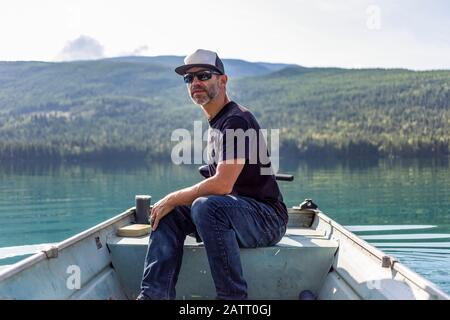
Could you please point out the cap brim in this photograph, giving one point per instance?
(181, 70)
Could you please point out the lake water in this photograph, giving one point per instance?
(401, 206)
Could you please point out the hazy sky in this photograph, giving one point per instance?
(353, 33)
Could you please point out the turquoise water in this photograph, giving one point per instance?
(401, 206)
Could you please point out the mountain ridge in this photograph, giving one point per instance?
(122, 106)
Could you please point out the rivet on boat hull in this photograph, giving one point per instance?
(98, 243)
(51, 252)
(386, 262)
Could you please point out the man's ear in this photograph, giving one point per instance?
(224, 79)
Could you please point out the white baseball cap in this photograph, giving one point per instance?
(201, 58)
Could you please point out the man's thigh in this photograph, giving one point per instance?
(254, 223)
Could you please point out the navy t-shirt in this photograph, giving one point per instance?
(234, 133)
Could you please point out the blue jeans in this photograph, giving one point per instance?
(224, 223)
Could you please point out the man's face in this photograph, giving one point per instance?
(202, 92)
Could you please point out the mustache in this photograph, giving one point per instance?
(197, 87)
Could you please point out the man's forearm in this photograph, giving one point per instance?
(209, 186)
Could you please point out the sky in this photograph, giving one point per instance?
(413, 34)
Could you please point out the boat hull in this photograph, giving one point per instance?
(317, 254)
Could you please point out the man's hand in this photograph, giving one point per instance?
(160, 209)
(221, 183)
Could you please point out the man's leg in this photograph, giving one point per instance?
(164, 255)
(226, 223)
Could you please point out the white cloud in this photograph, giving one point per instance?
(82, 48)
(139, 51)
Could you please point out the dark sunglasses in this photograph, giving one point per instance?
(201, 76)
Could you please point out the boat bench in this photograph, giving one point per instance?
(300, 261)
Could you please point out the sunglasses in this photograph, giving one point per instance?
(201, 76)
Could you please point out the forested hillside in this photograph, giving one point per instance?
(128, 107)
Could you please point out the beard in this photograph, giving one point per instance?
(202, 98)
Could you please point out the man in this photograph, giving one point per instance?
(237, 206)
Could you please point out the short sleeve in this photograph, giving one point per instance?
(237, 137)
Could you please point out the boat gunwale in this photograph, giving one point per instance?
(407, 273)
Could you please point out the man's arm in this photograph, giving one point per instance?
(220, 184)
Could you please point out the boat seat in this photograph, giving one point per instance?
(300, 261)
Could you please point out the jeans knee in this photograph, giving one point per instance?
(199, 209)
(203, 209)
(170, 223)
(168, 219)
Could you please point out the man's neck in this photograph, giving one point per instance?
(213, 107)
